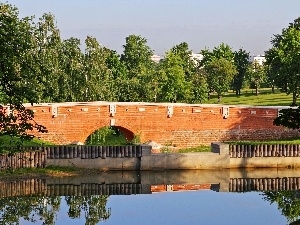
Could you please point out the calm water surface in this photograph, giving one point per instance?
(158, 201)
(193, 207)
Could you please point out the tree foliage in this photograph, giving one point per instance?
(289, 118)
(241, 61)
(288, 203)
(174, 86)
(220, 68)
(283, 60)
(19, 77)
(45, 209)
(256, 75)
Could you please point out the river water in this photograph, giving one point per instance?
(159, 197)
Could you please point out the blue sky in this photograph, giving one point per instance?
(164, 23)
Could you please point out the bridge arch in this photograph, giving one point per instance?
(106, 131)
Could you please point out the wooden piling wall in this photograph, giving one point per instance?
(36, 156)
(275, 150)
(264, 184)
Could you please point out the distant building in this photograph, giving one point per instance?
(196, 57)
(156, 58)
(260, 59)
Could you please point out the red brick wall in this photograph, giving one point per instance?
(189, 125)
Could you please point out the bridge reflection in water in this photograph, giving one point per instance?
(127, 183)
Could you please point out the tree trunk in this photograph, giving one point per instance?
(256, 90)
(294, 103)
(219, 97)
(208, 96)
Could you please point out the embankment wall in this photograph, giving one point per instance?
(140, 157)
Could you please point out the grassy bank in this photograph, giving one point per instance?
(248, 97)
(51, 171)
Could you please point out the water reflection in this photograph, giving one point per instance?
(40, 200)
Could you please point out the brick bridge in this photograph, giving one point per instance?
(176, 124)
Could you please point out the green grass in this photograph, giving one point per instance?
(293, 141)
(201, 148)
(6, 140)
(51, 171)
(111, 140)
(264, 98)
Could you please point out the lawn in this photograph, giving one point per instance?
(248, 97)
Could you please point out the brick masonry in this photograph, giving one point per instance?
(174, 124)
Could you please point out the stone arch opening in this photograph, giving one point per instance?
(112, 135)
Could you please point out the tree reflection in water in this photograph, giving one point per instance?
(94, 208)
(288, 203)
(44, 209)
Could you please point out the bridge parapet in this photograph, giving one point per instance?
(177, 125)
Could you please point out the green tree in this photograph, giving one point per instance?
(256, 75)
(137, 56)
(98, 84)
(220, 68)
(119, 73)
(187, 62)
(241, 61)
(289, 118)
(283, 60)
(220, 74)
(19, 80)
(174, 86)
(139, 69)
(72, 64)
(47, 50)
(199, 86)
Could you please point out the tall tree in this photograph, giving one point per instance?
(256, 75)
(72, 65)
(199, 86)
(119, 75)
(47, 46)
(187, 62)
(174, 86)
(140, 68)
(283, 60)
(241, 61)
(98, 76)
(18, 73)
(220, 68)
(137, 56)
(220, 74)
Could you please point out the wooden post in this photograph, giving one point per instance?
(71, 151)
(103, 155)
(139, 151)
(130, 151)
(100, 151)
(110, 148)
(93, 152)
(107, 151)
(134, 151)
(89, 148)
(83, 151)
(118, 149)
